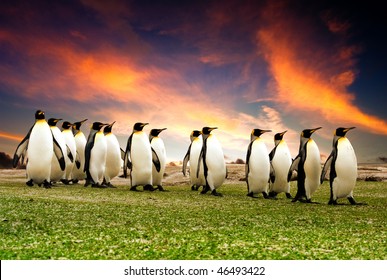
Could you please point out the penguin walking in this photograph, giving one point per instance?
(68, 136)
(78, 172)
(212, 158)
(192, 157)
(138, 157)
(342, 163)
(281, 161)
(158, 146)
(95, 156)
(40, 146)
(257, 165)
(113, 156)
(308, 166)
(56, 172)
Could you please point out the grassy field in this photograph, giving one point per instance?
(74, 222)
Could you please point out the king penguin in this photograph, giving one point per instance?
(68, 136)
(138, 157)
(257, 165)
(158, 146)
(212, 158)
(40, 145)
(95, 156)
(281, 161)
(56, 172)
(80, 143)
(192, 157)
(342, 163)
(113, 156)
(308, 167)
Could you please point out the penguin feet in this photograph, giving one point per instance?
(205, 190)
(353, 201)
(134, 189)
(75, 181)
(160, 188)
(30, 183)
(265, 195)
(149, 188)
(288, 195)
(251, 194)
(65, 181)
(46, 184)
(332, 202)
(273, 194)
(194, 188)
(97, 185)
(110, 185)
(215, 193)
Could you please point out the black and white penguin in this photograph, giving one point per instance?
(95, 156)
(192, 157)
(158, 146)
(138, 157)
(80, 144)
(212, 158)
(113, 156)
(308, 167)
(257, 165)
(68, 137)
(342, 163)
(40, 146)
(281, 161)
(56, 171)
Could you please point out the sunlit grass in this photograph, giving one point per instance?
(74, 222)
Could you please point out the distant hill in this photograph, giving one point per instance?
(5, 161)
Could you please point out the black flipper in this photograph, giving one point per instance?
(78, 161)
(327, 165)
(88, 148)
(186, 159)
(294, 166)
(23, 145)
(69, 154)
(58, 153)
(156, 160)
(198, 169)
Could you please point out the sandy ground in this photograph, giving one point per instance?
(173, 175)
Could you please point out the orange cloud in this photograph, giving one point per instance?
(10, 136)
(309, 79)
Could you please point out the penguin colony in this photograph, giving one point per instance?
(53, 155)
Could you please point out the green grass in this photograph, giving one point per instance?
(74, 222)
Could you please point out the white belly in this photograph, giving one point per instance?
(40, 152)
(113, 157)
(80, 143)
(158, 146)
(98, 157)
(259, 167)
(346, 169)
(312, 167)
(196, 148)
(281, 163)
(141, 157)
(215, 163)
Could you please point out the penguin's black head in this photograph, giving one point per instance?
(139, 126)
(77, 125)
(258, 132)
(66, 125)
(97, 125)
(156, 131)
(341, 131)
(307, 133)
(279, 136)
(207, 130)
(39, 115)
(53, 121)
(108, 128)
(196, 133)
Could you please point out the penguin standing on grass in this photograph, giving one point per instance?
(281, 161)
(56, 171)
(78, 172)
(158, 146)
(138, 157)
(192, 157)
(342, 163)
(212, 158)
(257, 165)
(308, 167)
(95, 156)
(68, 137)
(40, 146)
(113, 156)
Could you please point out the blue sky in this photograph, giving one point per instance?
(237, 65)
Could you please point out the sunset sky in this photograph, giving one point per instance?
(236, 65)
